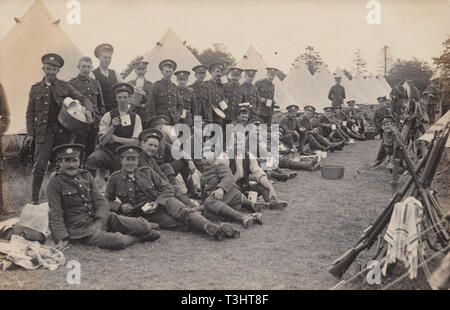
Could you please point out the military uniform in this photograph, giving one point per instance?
(190, 105)
(266, 90)
(201, 96)
(398, 95)
(251, 95)
(215, 94)
(165, 101)
(78, 211)
(380, 112)
(234, 96)
(431, 99)
(336, 95)
(42, 123)
(4, 124)
(290, 132)
(145, 186)
(92, 90)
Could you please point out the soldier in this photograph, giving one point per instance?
(200, 91)
(225, 71)
(337, 93)
(79, 212)
(430, 96)
(243, 114)
(90, 88)
(398, 98)
(188, 97)
(165, 104)
(233, 94)
(250, 93)
(105, 76)
(143, 193)
(4, 124)
(215, 103)
(150, 140)
(315, 140)
(343, 125)
(266, 90)
(117, 127)
(291, 132)
(43, 127)
(221, 196)
(142, 86)
(383, 110)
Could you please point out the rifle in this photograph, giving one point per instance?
(340, 265)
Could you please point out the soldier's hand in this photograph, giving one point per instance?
(62, 244)
(126, 208)
(191, 167)
(28, 141)
(263, 100)
(89, 117)
(218, 194)
(116, 121)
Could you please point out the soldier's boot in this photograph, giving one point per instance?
(152, 235)
(254, 206)
(36, 188)
(314, 145)
(344, 134)
(356, 136)
(275, 204)
(229, 230)
(192, 189)
(336, 147)
(200, 223)
(228, 212)
(258, 218)
(278, 176)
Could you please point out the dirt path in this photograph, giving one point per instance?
(292, 250)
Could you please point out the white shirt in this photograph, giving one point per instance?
(255, 170)
(105, 122)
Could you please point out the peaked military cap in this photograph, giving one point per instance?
(271, 70)
(151, 133)
(68, 150)
(214, 66)
(200, 68)
(250, 72)
(386, 119)
(235, 71)
(129, 150)
(182, 74)
(167, 62)
(103, 47)
(309, 108)
(140, 64)
(53, 59)
(122, 86)
(292, 107)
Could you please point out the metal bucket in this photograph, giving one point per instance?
(332, 172)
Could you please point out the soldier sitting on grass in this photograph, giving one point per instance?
(79, 212)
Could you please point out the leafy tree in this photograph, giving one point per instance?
(418, 71)
(443, 62)
(312, 59)
(360, 64)
(217, 53)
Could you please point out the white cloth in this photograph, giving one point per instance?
(31, 255)
(105, 122)
(402, 235)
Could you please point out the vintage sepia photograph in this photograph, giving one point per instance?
(258, 145)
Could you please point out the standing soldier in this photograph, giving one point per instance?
(215, 104)
(399, 96)
(106, 77)
(4, 124)
(188, 97)
(383, 110)
(142, 85)
(250, 93)
(266, 90)
(45, 101)
(90, 88)
(199, 88)
(233, 94)
(430, 95)
(337, 93)
(164, 106)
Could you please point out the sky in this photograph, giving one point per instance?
(279, 30)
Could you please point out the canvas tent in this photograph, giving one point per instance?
(303, 88)
(21, 49)
(169, 47)
(323, 78)
(253, 60)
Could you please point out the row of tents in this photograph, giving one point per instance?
(37, 33)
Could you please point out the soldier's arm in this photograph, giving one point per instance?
(31, 115)
(100, 202)
(85, 101)
(165, 190)
(343, 92)
(4, 111)
(195, 107)
(150, 106)
(330, 93)
(136, 131)
(227, 181)
(284, 125)
(106, 129)
(100, 100)
(110, 195)
(55, 213)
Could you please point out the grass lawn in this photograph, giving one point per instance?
(292, 250)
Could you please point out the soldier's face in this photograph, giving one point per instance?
(129, 163)
(270, 76)
(167, 72)
(308, 114)
(123, 99)
(50, 71)
(182, 82)
(69, 166)
(338, 81)
(235, 78)
(387, 127)
(150, 146)
(200, 76)
(217, 72)
(140, 71)
(249, 79)
(243, 117)
(85, 68)
(105, 59)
